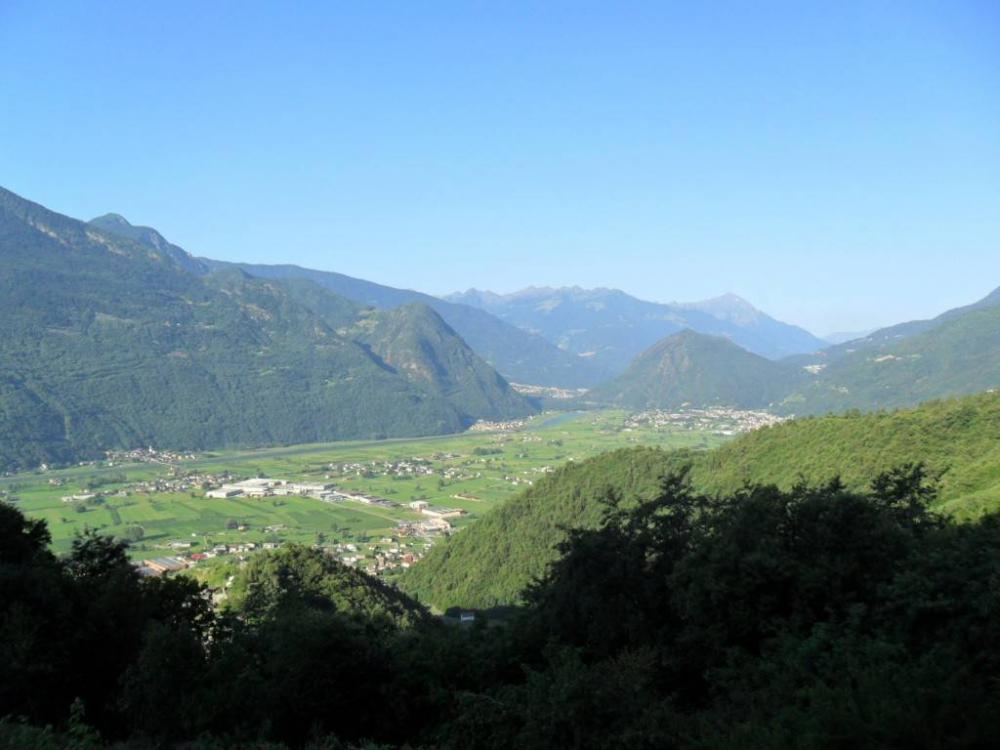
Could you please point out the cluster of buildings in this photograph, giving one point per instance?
(178, 483)
(720, 420)
(405, 468)
(148, 455)
(541, 391)
(508, 426)
(390, 554)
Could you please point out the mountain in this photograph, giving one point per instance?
(416, 343)
(693, 369)
(111, 342)
(956, 353)
(518, 355)
(491, 562)
(731, 308)
(891, 335)
(610, 328)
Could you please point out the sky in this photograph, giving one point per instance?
(837, 164)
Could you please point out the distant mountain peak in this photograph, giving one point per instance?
(728, 306)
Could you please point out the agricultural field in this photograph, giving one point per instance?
(162, 506)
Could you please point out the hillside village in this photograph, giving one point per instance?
(718, 420)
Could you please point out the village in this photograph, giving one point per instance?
(718, 420)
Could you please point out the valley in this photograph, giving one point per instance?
(164, 494)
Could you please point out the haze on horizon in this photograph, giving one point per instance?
(839, 167)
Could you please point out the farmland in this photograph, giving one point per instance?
(470, 472)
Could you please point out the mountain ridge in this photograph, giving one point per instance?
(112, 342)
(611, 327)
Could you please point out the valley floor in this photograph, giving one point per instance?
(165, 495)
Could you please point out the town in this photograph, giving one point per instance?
(717, 420)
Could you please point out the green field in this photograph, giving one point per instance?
(471, 471)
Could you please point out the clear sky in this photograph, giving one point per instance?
(836, 163)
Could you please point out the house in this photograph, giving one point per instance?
(420, 504)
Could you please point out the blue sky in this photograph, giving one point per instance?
(838, 164)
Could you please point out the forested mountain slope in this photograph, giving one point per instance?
(959, 354)
(416, 343)
(958, 439)
(693, 369)
(490, 562)
(518, 355)
(111, 343)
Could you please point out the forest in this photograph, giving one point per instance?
(816, 616)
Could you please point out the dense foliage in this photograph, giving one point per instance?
(112, 343)
(491, 562)
(813, 618)
(958, 440)
(816, 617)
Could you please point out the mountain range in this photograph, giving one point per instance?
(521, 356)
(113, 338)
(956, 353)
(610, 328)
(116, 337)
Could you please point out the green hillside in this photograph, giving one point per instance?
(490, 562)
(112, 343)
(956, 438)
(960, 354)
(690, 368)
(519, 355)
(416, 343)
